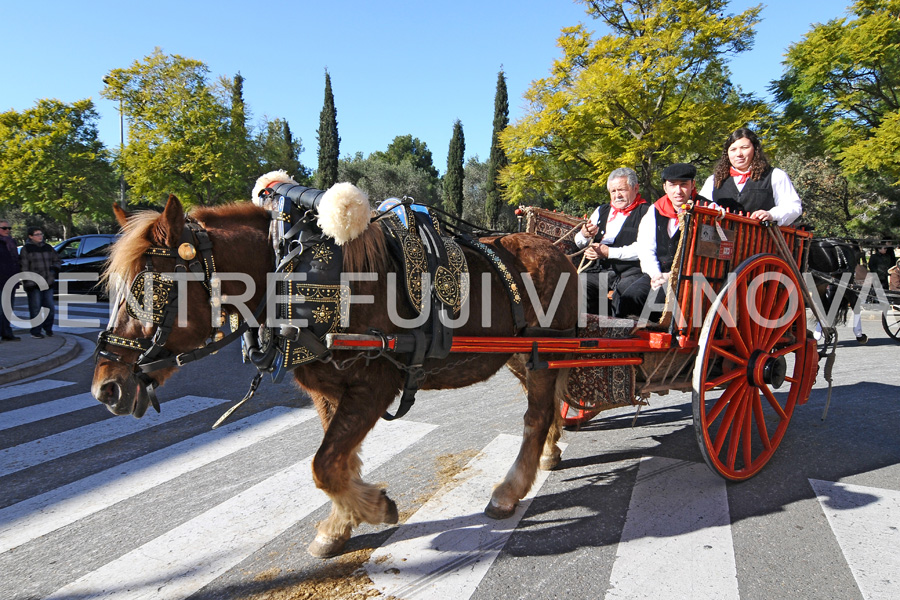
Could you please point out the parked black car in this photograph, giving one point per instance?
(83, 255)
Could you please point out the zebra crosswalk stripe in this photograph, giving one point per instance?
(866, 523)
(55, 446)
(677, 531)
(193, 554)
(21, 389)
(46, 410)
(446, 548)
(37, 516)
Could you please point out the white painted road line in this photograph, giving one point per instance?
(46, 410)
(51, 447)
(183, 560)
(677, 535)
(99, 309)
(445, 549)
(866, 523)
(27, 520)
(21, 389)
(81, 330)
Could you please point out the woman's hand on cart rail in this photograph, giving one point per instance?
(762, 215)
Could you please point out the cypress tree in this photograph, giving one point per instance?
(288, 139)
(453, 179)
(329, 142)
(498, 160)
(238, 116)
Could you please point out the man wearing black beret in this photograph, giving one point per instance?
(657, 240)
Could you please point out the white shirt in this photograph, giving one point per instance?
(613, 227)
(646, 241)
(787, 202)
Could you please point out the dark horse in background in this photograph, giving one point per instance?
(833, 260)
(351, 401)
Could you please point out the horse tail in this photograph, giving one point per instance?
(845, 303)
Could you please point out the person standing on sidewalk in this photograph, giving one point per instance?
(9, 266)
(42, 259)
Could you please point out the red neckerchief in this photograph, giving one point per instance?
(741, 177)
(665, 207)
(613, 211)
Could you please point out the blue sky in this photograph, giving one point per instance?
(397, 67)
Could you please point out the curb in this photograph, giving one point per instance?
(69, 350)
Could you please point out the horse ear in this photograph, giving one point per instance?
(170, 224)
(121, 215)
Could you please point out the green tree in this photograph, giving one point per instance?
(329, 141)
(238, 117)
(180, 133)
(653, 91)
(475, 186)
(381, 179)
(240, 145)
(842, 88)
(277, 149)
(406, 148)
(53, 163)
(498, 159)
(453, 178)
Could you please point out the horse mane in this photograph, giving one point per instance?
(367, 253)
(126, 253)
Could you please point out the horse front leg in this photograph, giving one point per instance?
(541, 387)
(336, 471)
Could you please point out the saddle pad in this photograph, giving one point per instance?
(603, 388)
(419, 247)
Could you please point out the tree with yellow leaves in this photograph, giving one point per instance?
(652, 91)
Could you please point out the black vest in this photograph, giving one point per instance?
(626, 236)
(665, 245)
(756, 195)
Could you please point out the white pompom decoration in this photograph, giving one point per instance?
(344, 212)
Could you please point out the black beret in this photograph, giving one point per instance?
(679, 171)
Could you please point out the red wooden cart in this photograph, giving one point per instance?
(734, 332)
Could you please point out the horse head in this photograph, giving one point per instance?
(153, 315)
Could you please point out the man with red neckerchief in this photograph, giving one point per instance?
(657, 240)
(610, 236)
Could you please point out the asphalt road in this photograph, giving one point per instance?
(95, 506)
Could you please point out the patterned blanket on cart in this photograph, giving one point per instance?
(603, 388)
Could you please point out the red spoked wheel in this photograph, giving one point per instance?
(750, 368)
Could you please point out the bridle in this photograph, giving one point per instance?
(153, 297)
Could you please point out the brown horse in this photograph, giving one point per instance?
(350, 401)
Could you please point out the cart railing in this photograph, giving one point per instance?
(703, 251)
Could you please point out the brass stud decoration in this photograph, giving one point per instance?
(187, 251)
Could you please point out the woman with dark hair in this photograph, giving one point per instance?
(743, 180)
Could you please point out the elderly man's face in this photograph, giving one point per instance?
(621, 195)
(5, 229)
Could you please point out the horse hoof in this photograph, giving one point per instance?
(492, 511)
(326, 547)
(391, 516)
(548, 463)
